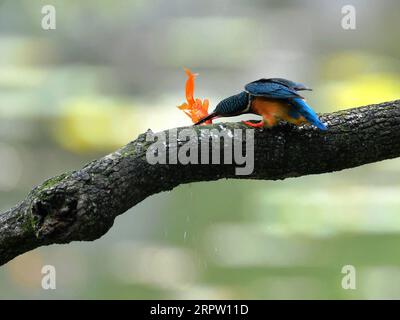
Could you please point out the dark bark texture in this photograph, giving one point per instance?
(82, 205)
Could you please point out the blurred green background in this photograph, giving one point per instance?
(113, 69)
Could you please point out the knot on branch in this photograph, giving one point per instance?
(64, 208)
(53, 212)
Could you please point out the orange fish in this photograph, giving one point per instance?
(196, 109)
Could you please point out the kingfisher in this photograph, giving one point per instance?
(274, 99)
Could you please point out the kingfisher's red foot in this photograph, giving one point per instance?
(254, 124)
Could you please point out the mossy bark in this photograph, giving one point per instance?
(82, 205)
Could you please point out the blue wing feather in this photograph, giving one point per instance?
(270, 90)
(305, 110)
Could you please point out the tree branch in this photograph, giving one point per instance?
(82, 205)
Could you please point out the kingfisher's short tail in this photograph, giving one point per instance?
(305, 110)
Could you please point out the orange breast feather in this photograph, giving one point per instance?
(274, 110)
